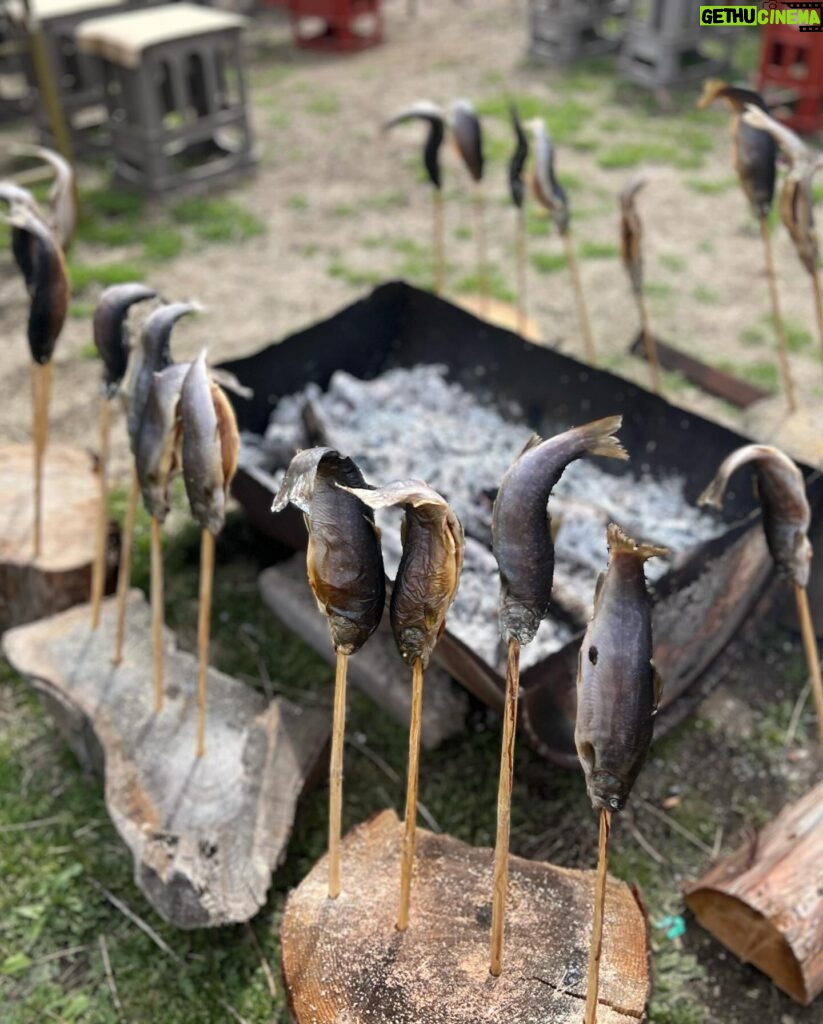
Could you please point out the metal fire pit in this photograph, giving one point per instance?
(698, 607)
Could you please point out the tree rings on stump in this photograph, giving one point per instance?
(344, 962)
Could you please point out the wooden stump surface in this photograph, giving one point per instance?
(61, 577)
(765, 901)
(206, 833)
(344, 961)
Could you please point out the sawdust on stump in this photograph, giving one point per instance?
(61, 577)
(205, 833)
(345, 962)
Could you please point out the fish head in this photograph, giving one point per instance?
(713, 89)
(606, 791)
(802, 553)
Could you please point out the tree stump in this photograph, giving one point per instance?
(61, 577)
(765, 901)
(205, 833)
(344, 961)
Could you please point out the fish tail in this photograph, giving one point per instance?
(713, 495)
(620, 541)
(598, 438)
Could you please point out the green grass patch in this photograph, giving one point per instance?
(711, 188)
(351, 276)
(752, 336)
(160, 244)
(706, 296)
(671, 261)
(463, 234)
(598, 251)
(548, 262)
(324, 104)
(217, 220)
(496, 285)
(564, 118)
(80, 310)
(764, 374)
(630, 154)
(85, 275)
(658, 290)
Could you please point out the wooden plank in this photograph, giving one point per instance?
(765, 901)
(205, 833)
(344, 960)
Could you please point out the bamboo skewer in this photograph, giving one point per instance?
(649, 343)
(818, 306)
(157, 611)
(777, 318)
(812, 653)
(409, 834)
(480, 227)
(336, 773)
(438, 242)
(596, 948)
(204, 633)
(521, 257)
(98, 577)
(124, 575)
(41, 390)
(504, 808)
(582, 311)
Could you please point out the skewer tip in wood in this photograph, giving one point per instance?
(98, 576)
(204, 633)
(157, 611)
(500, 878)
(41, 390)
(580, 300)
(124, 575)
(649, 343)
(410, 828)
(596, 947)
(812, 653)
(336, 773)
(777, 317)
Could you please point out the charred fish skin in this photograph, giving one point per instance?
(521, 526)
(518, 159)
(210, 444)
(617, 687)
(429, 112)
(631, 232)
(343, 560)
(159, 453)
(151, 356)
(429, 572)
(49, 285)
(468, 137)
(111, 337)
(22, 244)
(786, 511)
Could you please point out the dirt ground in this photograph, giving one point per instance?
(342, 207)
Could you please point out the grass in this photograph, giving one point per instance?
(564, 118)
(323, 104)
(548, 262)
(497, 286)
(598, 251)
(84, 275)
(217, 220)
(353, 276)
(671, 261)
(711, 188)
(706, 296)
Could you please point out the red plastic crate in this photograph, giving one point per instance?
(791, 66)
(343, 22)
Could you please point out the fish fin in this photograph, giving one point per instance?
(713, 494)
(598, 438)
(598, 587)
(532, 442)
(657, 682)
(619, 541)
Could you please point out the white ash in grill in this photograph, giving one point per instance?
(410, 423)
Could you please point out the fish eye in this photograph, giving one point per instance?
(593, 654)
(614, 803)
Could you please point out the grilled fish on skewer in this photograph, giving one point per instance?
(211, 445)
(468, 136)
(786, 512)
(152, 355)
(429, 571)
(631, 233)
(618, 689)
(518, 160)
(547, 189)
(159, 454)
(521, 526)
(22, 244)
(755, 152)
(423, 110)
(111, 335)
(62, 212)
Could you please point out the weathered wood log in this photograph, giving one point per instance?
(61, 577)
(377, 669)
(765, 901)
(344, 960)
(205, 833)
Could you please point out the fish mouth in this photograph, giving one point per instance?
(606, 792)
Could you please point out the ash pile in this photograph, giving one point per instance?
(415, 423)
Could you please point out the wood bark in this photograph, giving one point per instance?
(61, 577)
(377, 669)
(344, 960)
(765, 901)
(205, 833)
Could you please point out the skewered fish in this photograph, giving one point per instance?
(631, 233)
(21, 242)
(111, 335)
(547, 189)
(429, 571)
(159, 456)
(344, 560)
(423, 110)
(521, 525)
(786, 512)
(618, 688)
(518, 160)
(62, 212)
(468, 136)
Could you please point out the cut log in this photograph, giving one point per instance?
(765, 901)
(205, 833)
(344, 960)
(61, 577)
(377, 669)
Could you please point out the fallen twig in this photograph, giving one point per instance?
(264, 964)
(675, 826)
(112, 984)
(797, 714)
